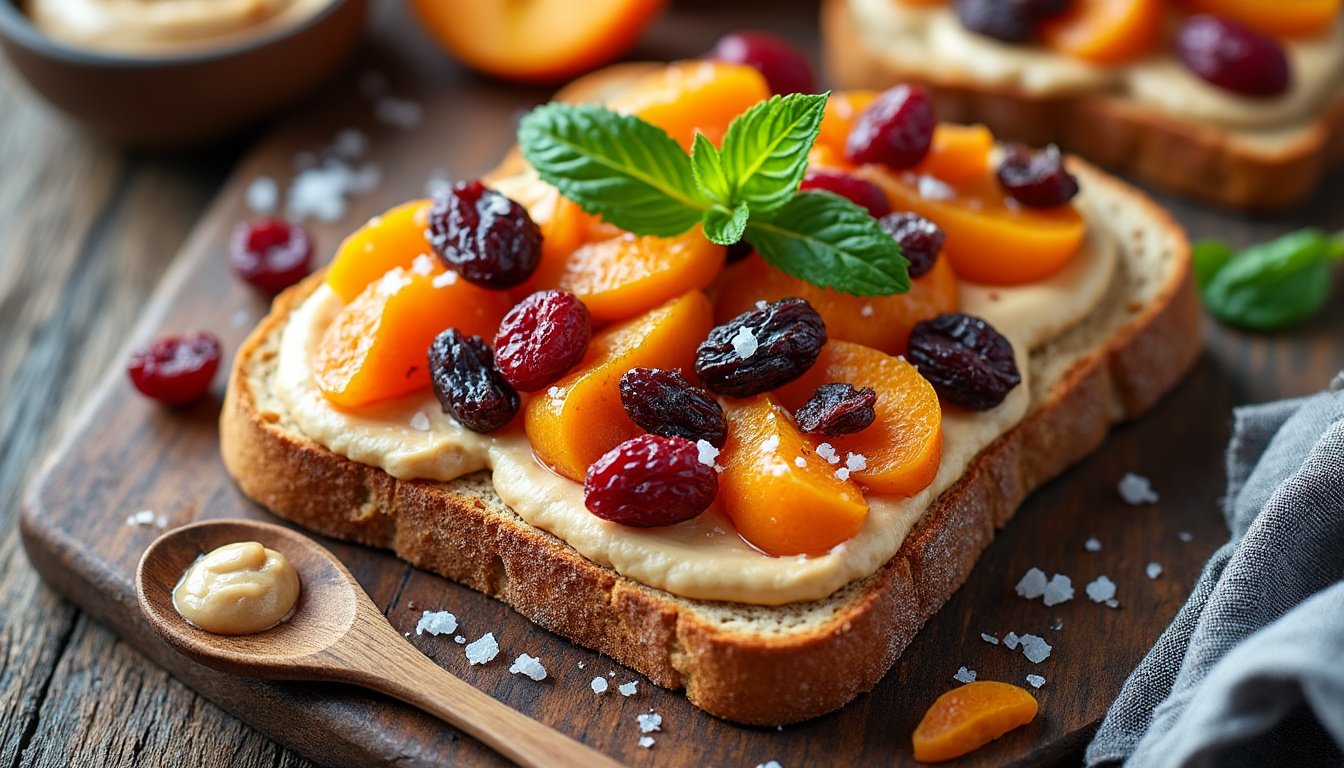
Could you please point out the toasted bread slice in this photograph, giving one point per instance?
(1230, 168)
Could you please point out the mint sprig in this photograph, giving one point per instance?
(1270, 285)
(635, 176)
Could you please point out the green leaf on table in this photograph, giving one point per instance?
(724, 227)
(617, 166)
(708, 171)
(1209, 256)
(829, 241)
(764, 152)
(1268, 286)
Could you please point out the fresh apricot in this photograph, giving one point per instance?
(842, 109)
(969, 717)
(624, 276)
(581, 417)
(685, 97)
(958, 153)
(783, 498)
(903, 446)
(990, 240)
(539, 40)
(1276, 18)
(377, 346)
(881, 322)
(1104, 31)
(393, 239)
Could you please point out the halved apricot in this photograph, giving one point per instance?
(1104, 31)
(377, 346)
(990, 240)
(903, 447)
(574, 422)
(393, 239)
(1298, 18)
(881, 322)
(958, 153)
(685, 97)
(969, 717)
(624, 276)
(783, 498)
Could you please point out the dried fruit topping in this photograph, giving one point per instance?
(1036, 179)
(920, 239)
(784, 67)
(858, 191)
(484, 236)
(1012, 21)
(968, 362)
(467, 384)
(649, 481)
(896, 129)
(1231, 55)
(665, 403)
(176, 370)
(761, 348)
(739, 251)
(271, 254)
(837, 409)
(541, 338)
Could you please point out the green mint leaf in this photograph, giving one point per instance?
(617, 166)
(828, 241)
(1337, 246)
(708, 171)
(765, 149)
(724, 227)
(1209, 256)
(1272, 285)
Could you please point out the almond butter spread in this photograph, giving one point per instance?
(237, 589)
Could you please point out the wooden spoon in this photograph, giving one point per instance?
(336, 634)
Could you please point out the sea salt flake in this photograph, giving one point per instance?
(1185, 536)
(1036, 681)
(933, 189)
(856, 462)
(1153, 570)
(771, 764)
(1032, 584)
(827, 452)
(143, 517)
(964, 675)
(1011, 641)
(629, 689)
(263, 195)
(770, 444)
(599, 684)
(528, 665)
(1035, 648)
(842, 473)
(708, 453)
(420, 422)
(436, 623)
(650, 723)
(1101, 590)
(1059, 590)
(1112, 603)
(800, 462)
(1056, 624)
(483, 650)
(988, 638)
(1136, 490)
(866, 310)
(646, 742)
(744, 343)
(1092, 544)
(460, 640)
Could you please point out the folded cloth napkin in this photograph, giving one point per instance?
(1251, 670)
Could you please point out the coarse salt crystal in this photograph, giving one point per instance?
(436, 623)
(1059, 590)
(842, 473)
(964, 675)
(444, 279)
(800, 462)
(708, 453)
(143, 517)
(770, 444)
(460, 640)
(1185, 536)
(1011, 641)
(650, 723)
(483, 650)
(420, 422)
(1101, 590)
(1035, 648)
(866, 310)
(762, 305)
(1112, 603)
(1153, 570)
(1092, 544)
(933, 189)
(599, 684)
(1136, 490)
(988, 638)
(1056, 624)
(629, 689)
(856, 462)
(263, 195)
(528, 665)
(827, 452)
(1036, 681)
(744, 343)
(1032, 584)
(646, 742)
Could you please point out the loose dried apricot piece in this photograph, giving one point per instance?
(967, 718)
(393, 239)
(685, 97)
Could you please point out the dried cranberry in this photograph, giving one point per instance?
(896, 129)
(271, 254)
(739, 251)
(761, 348)
(1036, 179)
(967, 361)
(665, 403)
(649, 481)
(920, 239)
(784, 67)
(484, 236)
(858, 191)
(467, 384)
(837, 409)
(1233, 56)
(176, 370)
(541, 338)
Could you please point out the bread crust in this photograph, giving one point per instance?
(1191, 158)
(462, 531)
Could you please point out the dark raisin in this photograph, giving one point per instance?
(1036, 179)
(895, 130)
(271, 254)
(784, 67)
(739, 251)
(861, 192)
(484, 236)
(176, 370)
(649, 481)
(968, 362)
(541, 338)
(761, 348)
(1006, 20)
(665, 403)
(920, 239)
(1233, 56)
(467, 384)
(837, 409)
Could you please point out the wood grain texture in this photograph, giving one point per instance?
(95, 229)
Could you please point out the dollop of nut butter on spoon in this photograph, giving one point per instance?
(335, 634)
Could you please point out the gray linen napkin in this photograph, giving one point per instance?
(1251, 670)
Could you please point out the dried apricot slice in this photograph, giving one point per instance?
(1104, 31)
(958, 153)
(842, 109)
(783, 498)
(685, 97)
(393, 239)
(967, 718)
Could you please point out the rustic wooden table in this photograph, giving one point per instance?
(87, 231)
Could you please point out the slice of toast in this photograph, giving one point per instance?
(753, 664)
(1237, 169)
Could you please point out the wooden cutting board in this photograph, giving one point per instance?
(128, 455)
